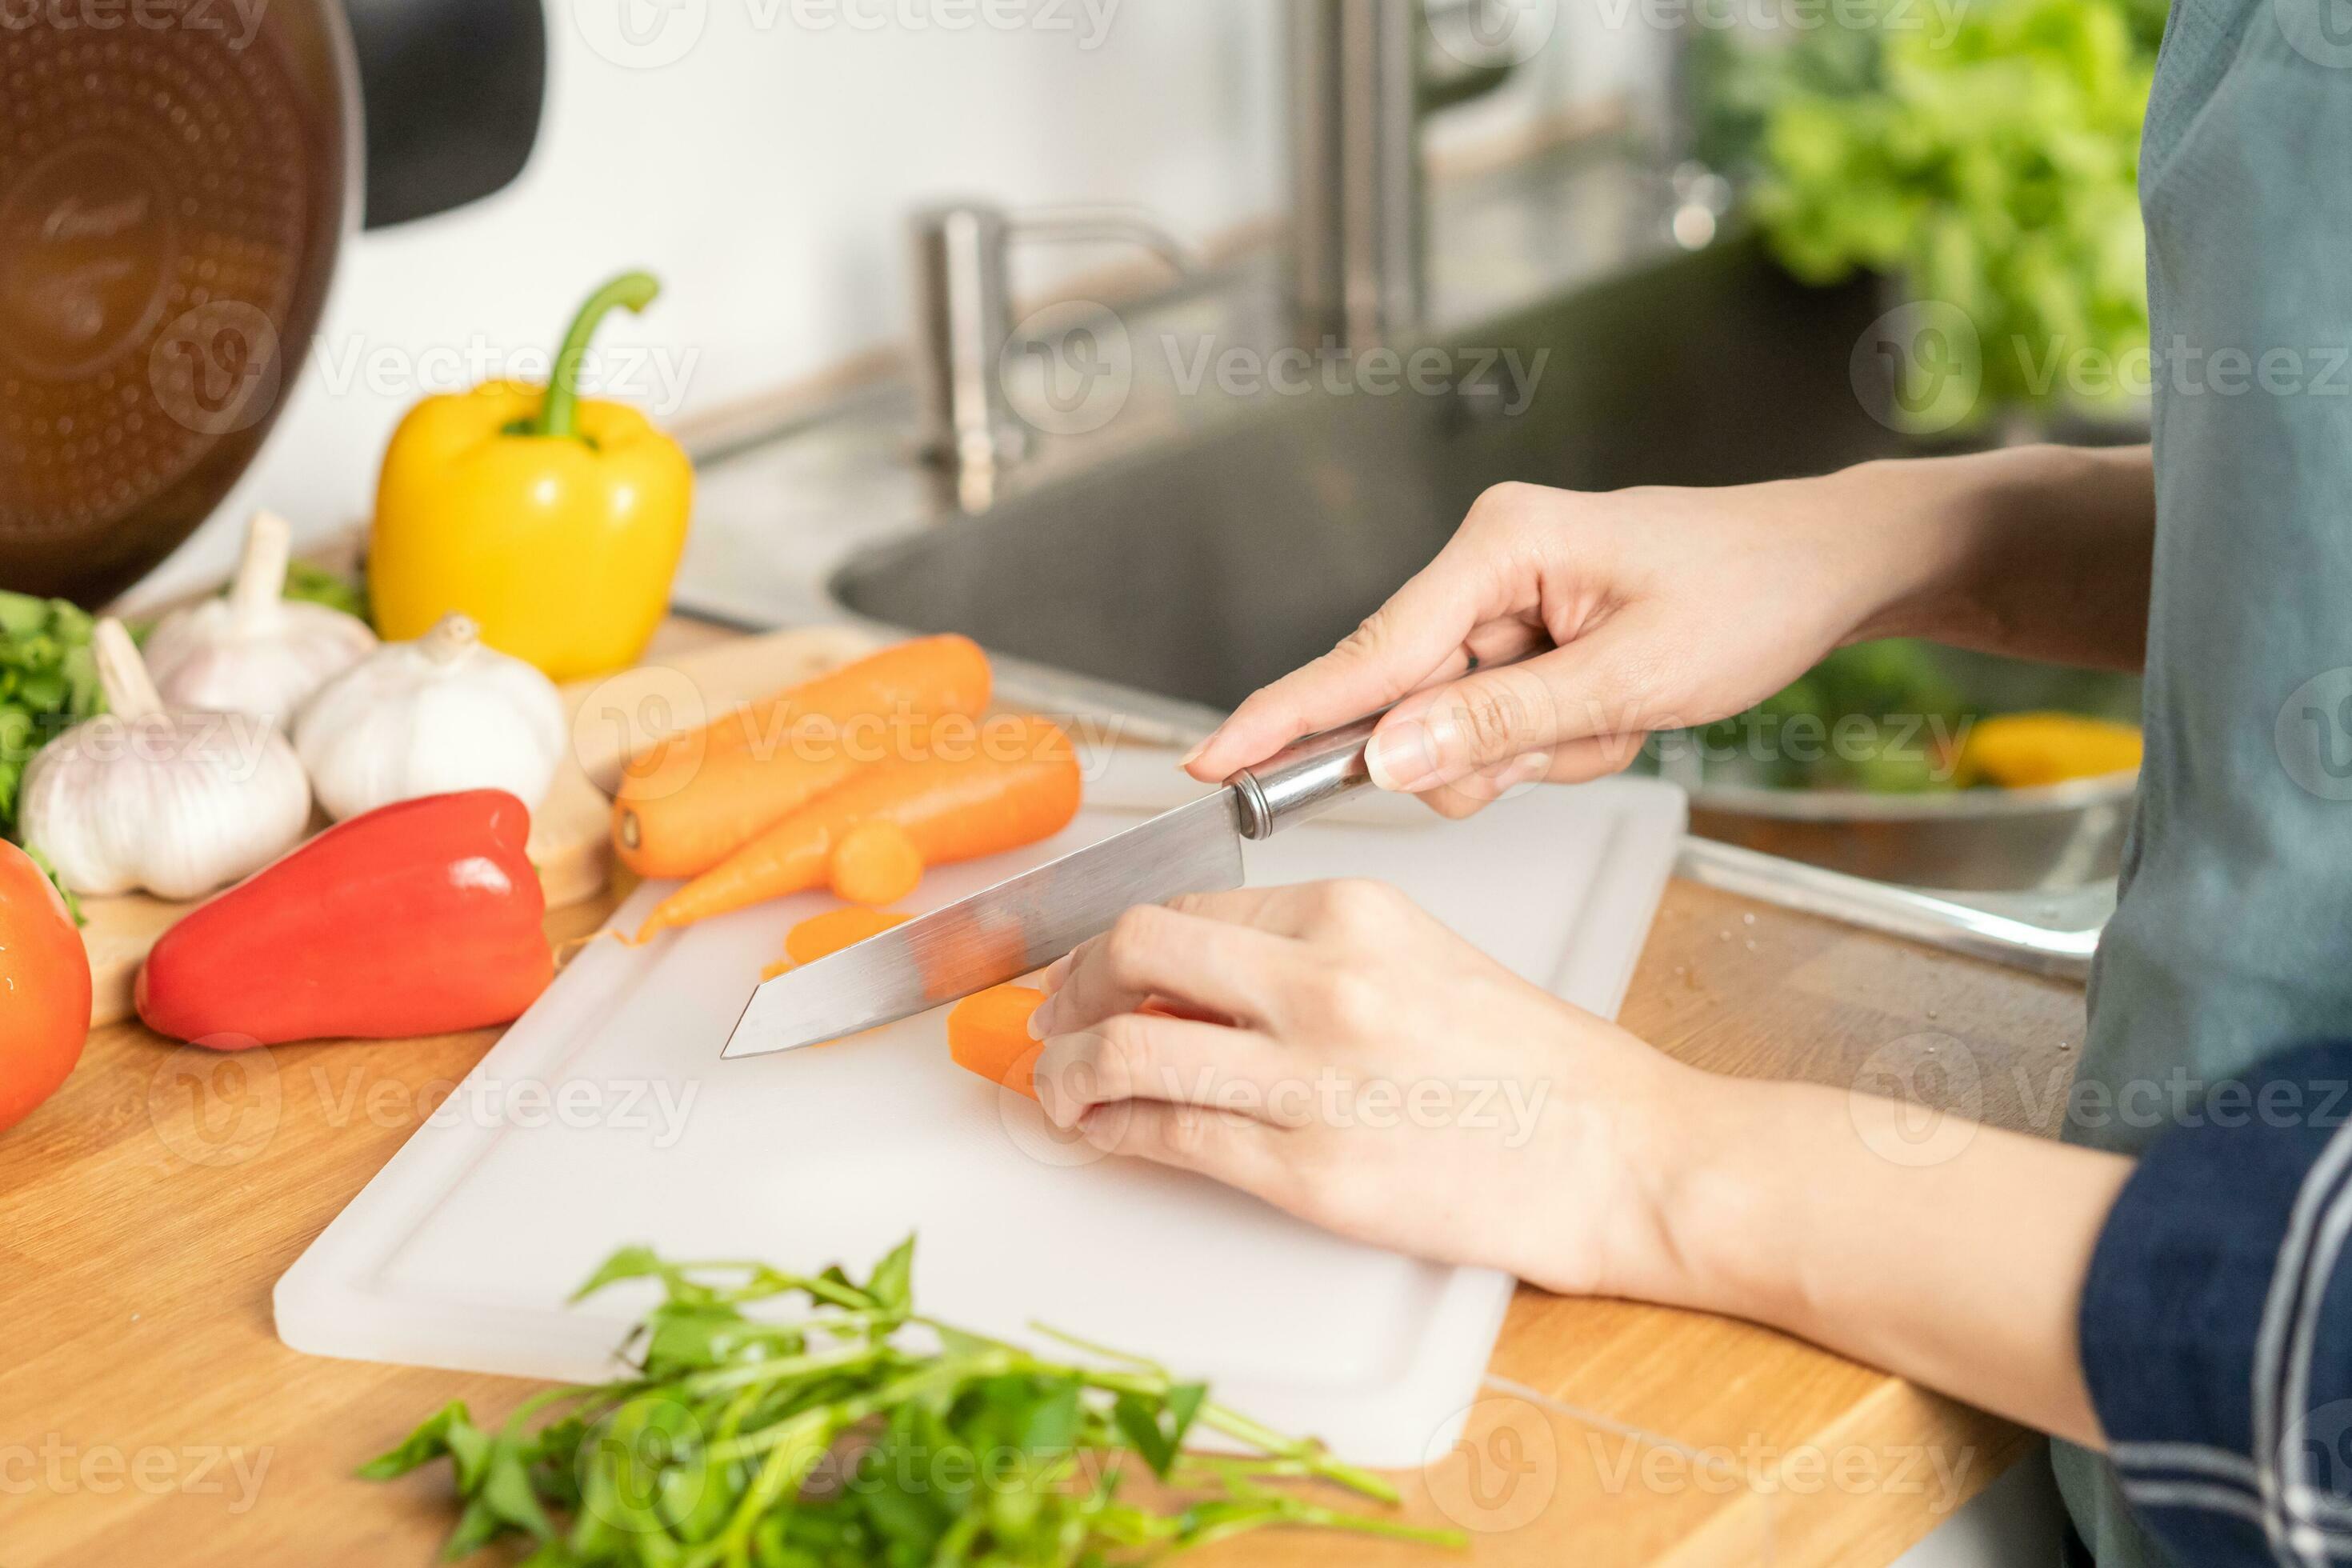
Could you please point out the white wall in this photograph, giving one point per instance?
(760, 155)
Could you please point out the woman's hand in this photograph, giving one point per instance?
(1650, 609)
(1380, 1078)
(1644, 609)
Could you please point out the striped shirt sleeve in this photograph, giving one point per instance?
(2217, 1321)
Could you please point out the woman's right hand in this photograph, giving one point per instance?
(1642, 609)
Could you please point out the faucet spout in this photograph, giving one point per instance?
(1362, 79)
(1357, 241)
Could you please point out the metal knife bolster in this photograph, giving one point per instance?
(1303, 779)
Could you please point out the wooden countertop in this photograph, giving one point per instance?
(148, 1412)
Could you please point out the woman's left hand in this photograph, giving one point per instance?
(1383, 1078)
(1378, 1077)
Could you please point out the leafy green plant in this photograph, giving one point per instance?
(1989, 163)
(1870, 716)
(48, 682)
(863, 1433)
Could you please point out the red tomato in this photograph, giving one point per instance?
(44, 988)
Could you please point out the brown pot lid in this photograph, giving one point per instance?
(173, 192)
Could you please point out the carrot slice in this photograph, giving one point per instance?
(688, 802)
(876, 862)
(821, 936)
(988, 1033)
(1007, 782)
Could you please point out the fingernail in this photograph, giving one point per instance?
(1402, 757)
(1189, 758)
(1039, 1020)
(1056, 974)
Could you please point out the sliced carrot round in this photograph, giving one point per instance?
(820, 935)
(988, 1033)
(876, 862)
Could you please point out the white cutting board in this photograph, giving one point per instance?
(605, 1117)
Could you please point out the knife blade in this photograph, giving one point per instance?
(1034, 918)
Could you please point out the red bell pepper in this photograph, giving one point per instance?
(419, 918)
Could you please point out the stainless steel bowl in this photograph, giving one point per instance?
(2047, 838)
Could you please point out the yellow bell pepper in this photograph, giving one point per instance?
(555, 522)
(2018, 751)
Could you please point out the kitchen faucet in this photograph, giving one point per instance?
(1363, 79)
(1361, 82)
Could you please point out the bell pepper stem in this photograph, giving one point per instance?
(560, 415)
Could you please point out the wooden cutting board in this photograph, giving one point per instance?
(611, 718)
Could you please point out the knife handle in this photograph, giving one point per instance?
(1304, 778)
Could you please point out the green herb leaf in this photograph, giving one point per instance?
(1053, 1423)
(48, 683)
(430, 1441)
(628, 1263)
(892, 1284)
(1140, 1422)
(73, 904)
(478, 1526)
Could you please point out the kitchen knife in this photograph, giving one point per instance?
(1036, 916)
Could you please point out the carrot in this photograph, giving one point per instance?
(988, 1033)
(876, 862)
(974, 790)
(688, 802)
(821, 936)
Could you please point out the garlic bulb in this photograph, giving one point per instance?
(255, 651)
(178, 803)
(444, 712)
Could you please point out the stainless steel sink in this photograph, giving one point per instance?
(1207, 565)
